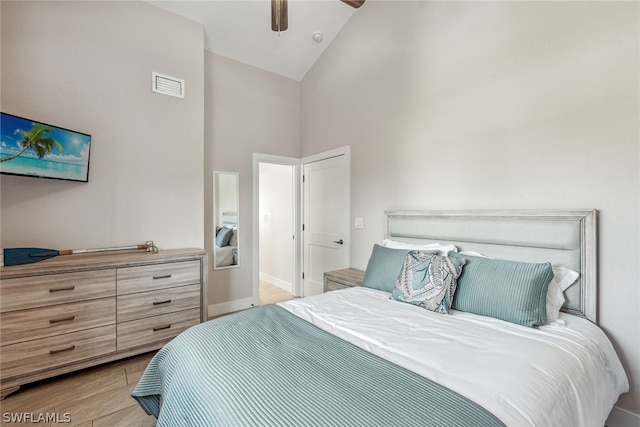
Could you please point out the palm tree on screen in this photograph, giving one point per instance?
(37, 139)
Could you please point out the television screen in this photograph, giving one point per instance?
(40, 150)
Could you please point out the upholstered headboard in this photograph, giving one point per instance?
(230, 219)
(565, 238)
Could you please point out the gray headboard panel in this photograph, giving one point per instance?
(565, 238)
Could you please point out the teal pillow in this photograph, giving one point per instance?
(384, 267)
(223, 237)
(508, 290)
(428, 281)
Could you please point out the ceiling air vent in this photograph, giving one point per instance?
(167, 85)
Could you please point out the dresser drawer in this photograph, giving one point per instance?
(158, 276)
(26, 325)
(49, 353)
(39, 291)
(155, 329)
(154, 303)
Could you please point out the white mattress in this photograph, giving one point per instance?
(552, 376)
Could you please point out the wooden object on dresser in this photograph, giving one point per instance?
(340, 279)
(77, 311)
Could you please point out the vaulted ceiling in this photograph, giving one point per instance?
(241, 30)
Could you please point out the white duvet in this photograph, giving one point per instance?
(556, 375)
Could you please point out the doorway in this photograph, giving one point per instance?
(328, 235)
(275, 219)
(276, 231)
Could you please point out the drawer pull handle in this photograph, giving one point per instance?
(161, 302)
(166, 276)
(71, 347)
(68, 288)
(62, 319)
(159, 328)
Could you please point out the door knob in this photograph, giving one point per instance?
(340, 242)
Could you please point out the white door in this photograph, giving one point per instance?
(326, 213)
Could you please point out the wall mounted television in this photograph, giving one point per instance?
(36, 149)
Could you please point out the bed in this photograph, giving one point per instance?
(364, 356)
(226, 241)
(227, 255)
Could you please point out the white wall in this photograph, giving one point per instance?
(466, 105)
(276, 224)
(247, 110)
(227, 195)
(87, 66)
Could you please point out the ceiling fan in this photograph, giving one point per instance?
(280, 16)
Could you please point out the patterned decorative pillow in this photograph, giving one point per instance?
(428, 280)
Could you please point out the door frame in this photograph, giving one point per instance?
(298, 253)
(340, 151)
(297, 226)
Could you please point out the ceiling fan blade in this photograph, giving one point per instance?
(279, 15)
(353, 3)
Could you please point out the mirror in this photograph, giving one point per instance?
(225, 220)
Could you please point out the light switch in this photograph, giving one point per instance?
(359, 222)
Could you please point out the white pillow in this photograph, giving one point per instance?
(233, 241)
(562, 278)
(444, 249)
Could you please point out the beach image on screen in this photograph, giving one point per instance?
(35, 149)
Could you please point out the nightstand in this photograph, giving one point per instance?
(340, 279)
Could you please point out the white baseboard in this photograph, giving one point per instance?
(242, 304)
(282, 284)
(229, 307)
(622, 418)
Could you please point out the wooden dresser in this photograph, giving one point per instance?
(76, 311)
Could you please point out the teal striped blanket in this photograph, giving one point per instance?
(268, 367)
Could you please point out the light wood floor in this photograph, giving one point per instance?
(101, 396)
(96, 397)
(270, 294)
